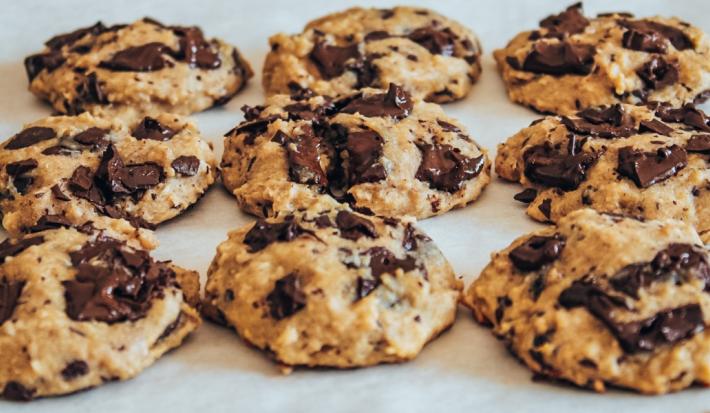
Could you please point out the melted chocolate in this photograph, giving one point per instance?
(395, 103)
(287, 297)
(145, 58)
(445, 168)
(569, 22)
(264, 233)
(548, 167)
(150, 128)
(658, 73)
(186, 165)
(537, 251)
(560, 59)
(353, 227)
(331, 60)
(648, 168)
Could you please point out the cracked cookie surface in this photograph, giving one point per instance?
(573, 62)
(144, 68)
(377, 150)
(603, 300)
(431, 56)
(649, 162)
(79, 308)
(335, 288)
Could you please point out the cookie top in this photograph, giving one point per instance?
(143, 68)
(381, 151)
(72, 169)
(78, 309)
(432, 57)
(335, 289)
(650, 162)
(603, 300)
(573, 62)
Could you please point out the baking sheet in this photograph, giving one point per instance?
(464, 369)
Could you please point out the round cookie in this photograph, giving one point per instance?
(603, 300)
(431, 56)
(72, 169)
(380, 151)
(336, 289)
(573, 62)
(144, 68)
(79, 308)
(650, 162)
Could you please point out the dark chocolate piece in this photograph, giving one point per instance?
(648, 168)
(287, 297)
(537, 251)
(445, 168)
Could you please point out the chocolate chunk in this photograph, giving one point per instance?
(364, 151)
(17, 171)
(503, 303)
(114, 283)
(569, 22)
(252, 112)
(93, 137)
(698, 143)
(142, 176)
(76, 368)
(365, 70)
(648, 168)
(663, 328)
(287, 297)
(605, 122)
(411, 238)
(11, 247)
(151, 128)
(448, 127)
(445, 168)
(382, 261)
(30, 136)
(650, 36)
(658, 73)
(20, 167)
(252, 129)
(145, 58)
(195, 50)
(560, 59)
(17, 392)
(537, 251)
(88, 91)
(323, 221)
(377, 35)
(301, 111)
(58, 193)
(50, 221)
(36, 63)
(264, 233)
(10, 291)
(186, 165)
(688, 114)
(655, 126)
(396, 103)
(82, 185)
(331, 60)
(548, 167)
(353, 227)
(436, 41)
(304, 158)
(68, 39)
(526, 196)
(678, 263)
(546, 207)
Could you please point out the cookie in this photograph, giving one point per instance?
(432, 57)
(649, 162)
(80, 308)
(144, 68)
(68, 170)
(573, 62)
(603, 300)
(336, 289)
(379, 151)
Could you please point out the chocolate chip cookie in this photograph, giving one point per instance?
(650, 162)
(335, 288)
(603, 300)
(378, 150)
(144, 68)
(432, 57)
(79, 308)
(68, 170)
(573, 62)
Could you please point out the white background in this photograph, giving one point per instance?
(464, 370)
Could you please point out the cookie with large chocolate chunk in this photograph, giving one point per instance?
(80, 307)
(574, 62)
(433, 57)
(603, 300)
(649, 162)
(70, 170)
(144, 68)
(378, 150)
(334, 288)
